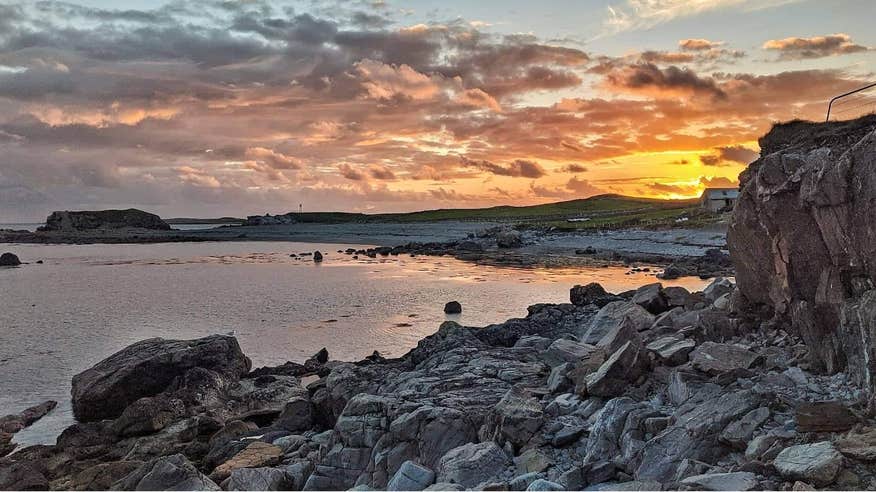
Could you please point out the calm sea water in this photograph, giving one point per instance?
(87, 301)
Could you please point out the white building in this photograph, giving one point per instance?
(719, 199)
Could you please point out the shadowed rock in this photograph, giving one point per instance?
(147, 368)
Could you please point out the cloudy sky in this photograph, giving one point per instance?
(212, 107)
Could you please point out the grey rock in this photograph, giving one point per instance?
(444, 486)
(621, 370)
(542, 484)
(509, 238)
(515, 419)
(592, 293)
(472, 464)
(521, 482)
(147, 368)
(563, 351)
(738, 434)
(717, 358)
(672, 350)
(9, 259)
(718, 288)
(257, 479)
(816, 463)
(453, 307)
(173, 472)
(148, 415)
(651, 298)
(613, 314)
(723, 481)
(411, 476)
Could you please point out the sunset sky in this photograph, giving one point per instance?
(208, 108)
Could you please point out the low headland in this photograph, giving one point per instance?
(762, 384)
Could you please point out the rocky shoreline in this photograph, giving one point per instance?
(651, 389)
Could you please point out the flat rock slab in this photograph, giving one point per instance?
(723, 481)
(258, 454)
(816, 463)
(718, 358)
(824, 416)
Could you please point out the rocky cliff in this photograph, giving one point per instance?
(803, 239)
(103, 219)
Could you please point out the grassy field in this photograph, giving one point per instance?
(602, 211)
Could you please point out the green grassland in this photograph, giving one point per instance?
(602, 211)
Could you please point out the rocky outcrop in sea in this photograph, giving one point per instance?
(67, 221)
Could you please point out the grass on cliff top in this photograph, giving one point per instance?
(601, 209)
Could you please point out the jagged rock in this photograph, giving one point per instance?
(103, 219)
(558, 380)
(453, 307)
(515, 419)
(717, 358)
(257, 479)
(591, 473)
(9, 259)
(22, 476)
(564, 350)
(592, 293)
(738, 434)
(411, 476)
(617, 431)
(698, 422)
(631, 486)
(679, 297)
(533, 460)
(651, 298)
(619, 334)
(173, 472)
(618, 372)
(10, 424)
(859, 445)
(148, 415)
(445, 486)
(672, 350)
(824, 416)
(472, 464)
(542, 484)
(801, 238)
(103, 475)
(256, 455)
(717, 289)
(611, 315)
(816, 463)
(520, 482)
(509, 238)
(722, 481)
(147, 368)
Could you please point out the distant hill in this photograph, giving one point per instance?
(593, 208)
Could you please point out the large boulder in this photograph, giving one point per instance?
(802, 238)
(147, 368)
(103, 219)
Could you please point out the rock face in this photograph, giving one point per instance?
(103, 219)
(802, 238)
(167, 473)
(147, 368)
(9, 259)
